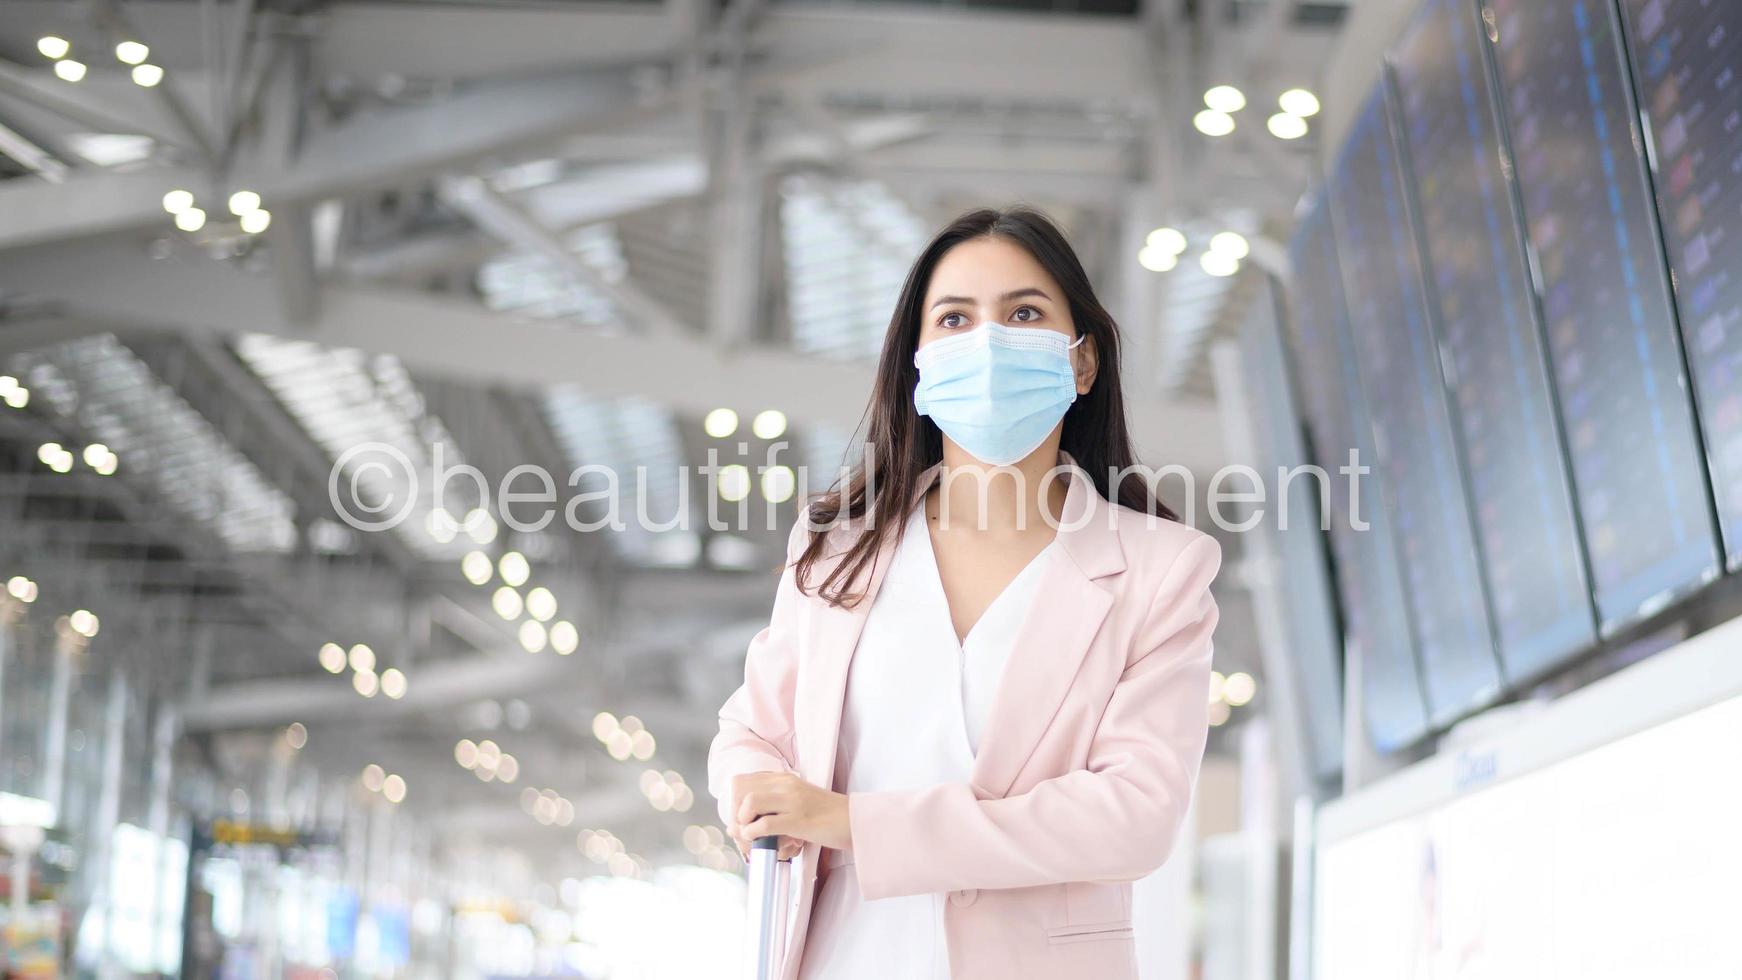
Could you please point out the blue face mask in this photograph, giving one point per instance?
(996, 391)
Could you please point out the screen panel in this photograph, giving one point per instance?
(1479, 289)
(1612, 334)
(1294, 531)
(1376, 632)
(1686, 58)
(1417, 461)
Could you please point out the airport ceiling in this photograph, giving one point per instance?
(557, 233)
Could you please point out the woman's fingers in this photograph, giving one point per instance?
(789, 848)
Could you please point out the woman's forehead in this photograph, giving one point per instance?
(985, 268)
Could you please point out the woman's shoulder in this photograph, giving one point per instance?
(1157, 546)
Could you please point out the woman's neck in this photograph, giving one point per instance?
(1025, 496)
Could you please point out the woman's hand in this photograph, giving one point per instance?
(781, 803)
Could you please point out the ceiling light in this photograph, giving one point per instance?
(177, 201)
(1225, 98)
(1169, 240)
(95, 453)
(1286, 127)
(18, 397)
(1210, 122)
(532, 636)
(489, 754)
(641, 745)
(480, 525)
(132, 52)
(243, 202)
(21, 588)
(83, 622)
(362, 658)
(1231, 244)
(734, 482)
(514, 568)
(778, 484)
(563, 637)
(466, 753)
(296, 735)
(70, 70)
(1219, 713)
(393, 683)
(476, 567)
(107, 466)
(48, 452)
(720, 423)
(373, 777)
(769, 424)
(255, 221)
(147, 76)
(365, 683)
(507, 603)
(1240, 688)
(191, 219)
(333, 658)
(508, 769)
(393, 787)
(541, 604)
(53, 47)
(1219, 263)
(604, 723)
(620, 744)
(1156, 260)
(1299, 102)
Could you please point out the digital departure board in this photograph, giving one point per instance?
(1376, 632)
(1612, 333)
(1417, 460)
(1480, 293)
(1292, 533)
(1686, 56)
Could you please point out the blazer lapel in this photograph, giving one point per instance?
(828, 653)
(1057, 632)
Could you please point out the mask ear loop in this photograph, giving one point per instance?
(1072, 345)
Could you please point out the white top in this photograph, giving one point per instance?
(916, 703)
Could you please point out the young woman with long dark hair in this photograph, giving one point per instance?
(980, 705)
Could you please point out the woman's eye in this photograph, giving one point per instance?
(949, 320)
(1019, 318)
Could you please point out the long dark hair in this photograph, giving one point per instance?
(903, 444)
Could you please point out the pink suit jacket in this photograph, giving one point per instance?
(1086, 764)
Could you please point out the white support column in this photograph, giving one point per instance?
(1258, 827)
(1161, 909)
(60, 692)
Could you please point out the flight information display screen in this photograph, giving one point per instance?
(1294, 534)
(1473, 253)
(1612, 334)
(1376, 633)
(1686, 56)
(1417, 460)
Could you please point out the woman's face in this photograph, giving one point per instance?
(994, 280)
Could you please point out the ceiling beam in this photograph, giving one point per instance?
(114, 283)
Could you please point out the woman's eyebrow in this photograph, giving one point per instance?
(1007, 297)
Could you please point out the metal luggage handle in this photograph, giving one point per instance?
(765, 917)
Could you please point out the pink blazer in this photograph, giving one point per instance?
(1086, 765)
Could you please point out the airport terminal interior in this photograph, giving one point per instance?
(1430, 314)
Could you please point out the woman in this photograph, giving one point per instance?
(979, 707)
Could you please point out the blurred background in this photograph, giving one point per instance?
(261, 257)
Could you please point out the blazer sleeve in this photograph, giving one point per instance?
(1114, 820)
(756, 722)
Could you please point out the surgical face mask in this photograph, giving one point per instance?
(996, 391)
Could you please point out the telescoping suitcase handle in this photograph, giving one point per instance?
(765, 917)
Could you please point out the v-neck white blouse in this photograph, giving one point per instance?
(916, 704)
